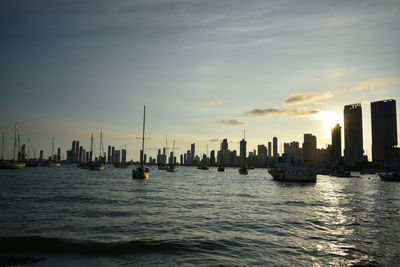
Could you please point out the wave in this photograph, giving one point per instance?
(19, 244)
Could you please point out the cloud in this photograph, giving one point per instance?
(209, 101)
(214, 140)
(231, 122)
(377, 83)
(342, 72)
(300, 99)
(270, 112)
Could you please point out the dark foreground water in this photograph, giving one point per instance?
(69, 217)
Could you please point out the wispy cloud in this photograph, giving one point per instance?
(342, 72)
(377, 83)
(231, 122)
(209, 101)
(213, 140)
(300, 99)
(270, 112)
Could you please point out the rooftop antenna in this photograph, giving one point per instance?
(244, 134)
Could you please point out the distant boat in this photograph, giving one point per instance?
(243, 170)
(285, 171)
(99, 164)
(203, 167)
(53, 163)
(294, 174)
(390, 176)
(368, 171)
(141, 172)
(341, 173)
(14, 164)
(221, 169)
(171, 167)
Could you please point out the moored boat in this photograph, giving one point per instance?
(289, 173)
(390, 176)
(141, 172)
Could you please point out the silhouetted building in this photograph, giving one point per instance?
(59, 154)
(384, 130)
(243, 152)
(212, 158)
(269, 149)
(336, 144)
(309, 148)
(109, 154)
(353, 134)
(41, 155)
(123, 156)
(192, 152)
(275, 147)
(112, 155)
(77, 159)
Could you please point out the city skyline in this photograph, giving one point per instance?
(384, 126)
(206, 72)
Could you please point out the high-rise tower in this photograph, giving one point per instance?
(353, 134)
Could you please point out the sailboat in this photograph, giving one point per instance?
(15, 163)
(203, 165)
(141, 172)
(243, 169)
(53, 163)
(99, 163)
(171, 167)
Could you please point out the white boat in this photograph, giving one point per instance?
(288, 173)
(141, 172)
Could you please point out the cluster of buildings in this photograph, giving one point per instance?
(384, 144)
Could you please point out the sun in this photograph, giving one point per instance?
(329, 119)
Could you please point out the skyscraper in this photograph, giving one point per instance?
(243, 151)
(353, 134)
(269, 149)
(309, 148)
(336, 143)
(384, 130)
(192, 152)
(275, 146)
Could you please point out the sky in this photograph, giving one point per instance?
(206, 70)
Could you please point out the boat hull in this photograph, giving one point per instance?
(243, 171)
(140, 173)
(389, 177)
(294, 176)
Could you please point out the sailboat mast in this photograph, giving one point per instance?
(91, 148)
(144, 123)
(2, 146)
(29, 148)
(52, 148)
(15, 141)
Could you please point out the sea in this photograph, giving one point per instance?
(66, 216)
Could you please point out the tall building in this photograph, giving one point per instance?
(109, 155)
(269, 149)
(353, 134)
(275, 147)
(243, 151)
(309, 148)
(192, 152)
(336, 143)
(384, 130)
